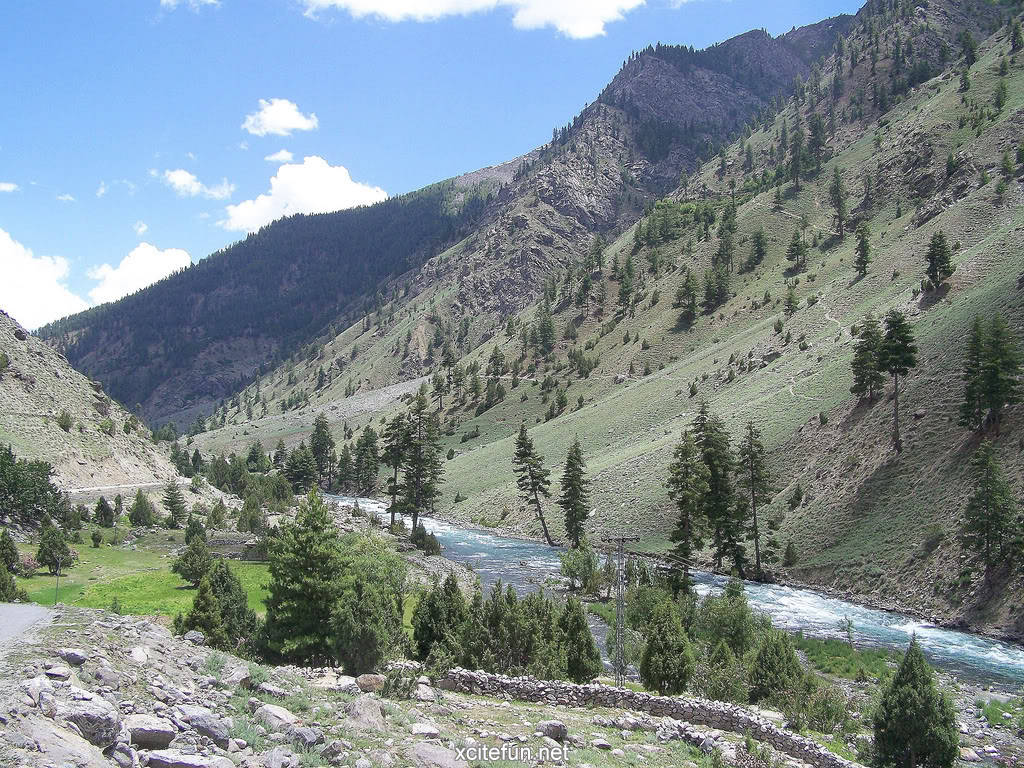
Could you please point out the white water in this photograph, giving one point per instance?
(527, 565)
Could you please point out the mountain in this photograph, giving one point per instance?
(180, 346)
(99, 443)
(918, 153)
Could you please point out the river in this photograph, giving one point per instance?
(529, 565)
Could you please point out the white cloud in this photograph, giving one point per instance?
(143, 266)
(573, 18)
(101, 190)
(187, 185)
(314, 186)
(281, 156)
(8, 186)
(279, 117)
(195, 5)
(33, 290)
(66, 198)
(140, 228)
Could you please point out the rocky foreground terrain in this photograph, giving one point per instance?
(91, 688)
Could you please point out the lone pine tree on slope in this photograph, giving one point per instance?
(897, 355)
(532, 479)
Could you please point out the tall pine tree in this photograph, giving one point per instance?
(396, 436)
(863, 259)
(867, 372)
(989, 520)
(973, 408)
(754, 479)
(575, 498)
(532, 478)
(688, 477)
(1000, 371)
(897, 355)
(939, 266)
(421, 486)
(719, 503)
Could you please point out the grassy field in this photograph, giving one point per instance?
(139, 577)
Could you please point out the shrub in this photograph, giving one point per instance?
(579, 566)
(97, 539)
(425, 541)
(789, 559)
(27, 566)
(194, 563)
(53, 552)
(667, 664)
(9, 590)
(776, 668)
(8, 552)
(64, 420)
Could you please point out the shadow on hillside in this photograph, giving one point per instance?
(858, 414)
(930, 298)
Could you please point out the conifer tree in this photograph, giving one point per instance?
(583, 659)
(104, 513)
(837, 195)
(896, 356)
(575, 498)
(194, 563)
(205, 616)
(280, 454)
(8, 551)
(667, 664)
(301, 469)
(141, 512)
(321, 443)
(174, 503)
(758, 249)
(240, 622)
(53, 551)
(712, 440)
(367, 627)
(915, 724)
(532, 478)
(797, 251)
(990, 516)
(345, 468)
(423, 470)
(1000, 371)
(10, 592)
(688, 477)
(867, 371)
(796, 154)
(396, 435)
(754, 479)
(304, 562)
(776, 668)
(863, 248)
(792, 303)
(973, 408)
(366, 462)
(939, 266)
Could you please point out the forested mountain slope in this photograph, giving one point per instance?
(50, 411)
(609, 354)
(181, 345)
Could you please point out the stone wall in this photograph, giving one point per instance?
(714, 714)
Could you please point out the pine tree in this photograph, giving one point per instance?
(939, 266)
(973, 408)
(575, 498)
(240, 622)
(797, 251)
(776, 668)
(583, 659)
(688, 487)
(396, 435)
(423, 469)
(758, 249)
(1000, 371)
(863, 248)
(367, 627)
(712, 440)
(280, 454)
(345, 468)
(141, 512)
(796, 155)
(792, 303)
(10, 592)
(205, 616)
(897, 355)
(837, 195)
(754, 479)
(667, 664)
(194, 530)
(174, 503)
(104, 513)
(8, 552)
(53, 551)
(321, 443)
(990, 515)
(301, 469)
(194, 563)
(915, 724)
(867, 371)
(532, 478)
(688, 299)
(366, 462)
(305, 563)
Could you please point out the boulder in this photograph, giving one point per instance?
(58, 672)
(306, 736)
(206, 723)
(275, 718)
(553, 729)
(365, 713)
(370, 683)
(425, 755)
(36, 686)
(60, 745)
(195, 637)
(172, 758)
(96, 718)
(272, 690)
(426, 730)
(150, 732)
(969, 755)
(424, 693)
(108, 676)
(76, 657)
(600, 744)
(140, 654)
(280, 757)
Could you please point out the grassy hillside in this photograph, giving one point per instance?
(873, 524)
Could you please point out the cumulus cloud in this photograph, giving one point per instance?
(279, 117)
(143, 266)
(66, 198)
(573, 18)
(8, 186)
(101, 190)
(188, 185)
(281, 156)
(312, 186)
(33, 290)
(140, 228)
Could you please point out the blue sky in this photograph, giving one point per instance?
(140, 135)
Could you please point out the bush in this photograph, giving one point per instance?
(425, 541)
(722, 676)
(367, 627)
(9, 590)
(194, 563)
(97, 539)
(27, 566)
(53, 551)
(8, 552)
(579, 566)
(776, 669)
(789, 559)
(141, 512)
(64, 420)
(667, 664)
